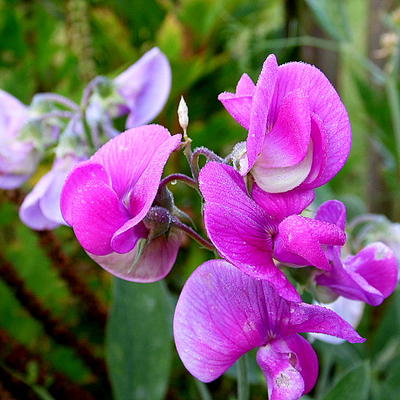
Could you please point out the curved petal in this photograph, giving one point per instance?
(221, 315)
(304, 237)
(154, 264)
(369, 276)
(283, 179)
(93, 209)
(334, 212)
(350, 310)
(13, 115)
(287, 143)
(145, 86)
(134, 161)
(320, 152)
(145, 187)
(324, 102)
(31, 212)
(312, 318)
(290, 366)
(238, 227)
(75, 184)
(262, 98)
(281, 205)
(239, 104)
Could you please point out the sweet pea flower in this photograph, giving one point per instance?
(40, 209)
(250, 230)
(107, 198)
(223, 313)
(145, 87)
(369, 276)
(18, 158)
(299, 134)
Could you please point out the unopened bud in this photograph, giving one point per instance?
(183, 115)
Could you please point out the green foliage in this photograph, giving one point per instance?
(138, 340)
(354, 383)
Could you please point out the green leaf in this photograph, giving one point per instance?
(138, 340)
(354, 384)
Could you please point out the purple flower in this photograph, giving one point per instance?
(18, 158)
(106, 199)
(222, 314)
(250, 231)
(145, 87)
(299, 134)
(40, 209)
(369, 276)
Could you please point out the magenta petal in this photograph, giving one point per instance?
(311, 318)
(75, 184)
(334, 212)
(220, 316)
(324, 102)
(288, 141)
(127, 156)
(93, 209)
(290, 366)
(260, 109)
(239, 104)
(155, 263)
(369, 276)
(320, 152)
(281, 205)
(145, 87)
(238, 227)
(303, 237)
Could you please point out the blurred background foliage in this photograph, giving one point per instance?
(54, 300)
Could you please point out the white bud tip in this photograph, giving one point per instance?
(183, 114)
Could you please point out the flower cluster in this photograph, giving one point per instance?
(257, 215)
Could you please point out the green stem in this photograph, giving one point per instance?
(242, 379)
(88, 133)
(203, 391)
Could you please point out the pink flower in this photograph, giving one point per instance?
(299, 134)
(369, 276)
(250, 230)
(222, 314)
(106, 199)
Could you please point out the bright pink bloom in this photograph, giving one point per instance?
(249, 232)
(299, 134)
(369, 276)
(222, 314)
(18, 158)
(106, 199)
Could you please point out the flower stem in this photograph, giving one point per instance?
(179, 177)
(203, 391)
(242, 379)
(202, 151)
(56, 114)
(57, 98)
(192, 233)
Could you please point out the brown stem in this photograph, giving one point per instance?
(18, 357)
(52, 326)
(67, 270)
